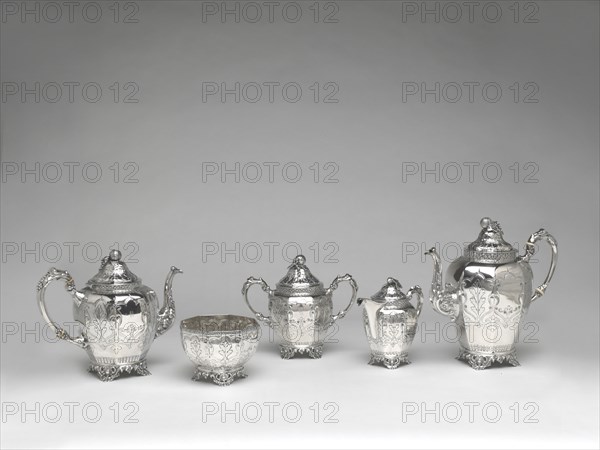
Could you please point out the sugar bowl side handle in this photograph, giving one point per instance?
(265, 287)
(53, 275)
(334, 286)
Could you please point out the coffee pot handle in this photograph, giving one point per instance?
(53, 275)
(265, 287)
(416, 290)
(334, 286)
(530, 250)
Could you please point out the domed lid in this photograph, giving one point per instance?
(299, 281)
(391, 291)
(490, 247)
(114, 276)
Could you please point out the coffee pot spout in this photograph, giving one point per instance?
(443, 299)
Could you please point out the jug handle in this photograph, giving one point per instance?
(416, 290)
(530, 250)
(53, 275)
(265, 287)
(334, 286)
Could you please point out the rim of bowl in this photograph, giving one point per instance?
(198, 324)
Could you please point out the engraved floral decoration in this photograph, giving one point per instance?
(107, 328)
(482, 305)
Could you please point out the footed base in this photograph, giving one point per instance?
(391, 362)
(479, 362)
(222, 378)
(110, 372)
(314, 351)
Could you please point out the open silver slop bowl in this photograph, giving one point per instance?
(220, 345)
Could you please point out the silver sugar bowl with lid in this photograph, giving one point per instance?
(119, 316)
(390, 322)
(301, 309)
(487, 293)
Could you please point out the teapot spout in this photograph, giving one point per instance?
(166, 315)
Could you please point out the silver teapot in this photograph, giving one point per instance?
(488, 292)
(301, 309)
(391, 323)
(120, 317)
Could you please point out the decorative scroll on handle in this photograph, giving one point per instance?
(416, 290)
(53, 275)
(265, 287)
(530, 250)
(334, 286)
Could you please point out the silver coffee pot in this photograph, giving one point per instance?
(391, 323)
(488, 292)
(301, 309)
(119, 316)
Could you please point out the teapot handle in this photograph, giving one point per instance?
(334, 286)
(530, 250)
(53, 275)
(265, 287)
(416, 290)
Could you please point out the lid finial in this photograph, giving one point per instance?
(299, 280)
(114, 274)
(490, 247)
(391, 291)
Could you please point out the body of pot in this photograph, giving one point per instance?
(301, 322)
(391, 334)
(491, 301)
(118, 328)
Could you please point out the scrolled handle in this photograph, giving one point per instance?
(334, 285)
(416, 290)
(53, 275)
(541, 234)
(265, 287)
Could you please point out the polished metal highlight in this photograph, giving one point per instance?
(391, 322)
(119, 316)
(301, 309)
(219, 346)
(488, 292)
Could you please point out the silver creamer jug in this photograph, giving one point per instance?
(391, 323)
(119, 316)
(301, 309)
(487, 293)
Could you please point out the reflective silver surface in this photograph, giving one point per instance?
(488, 291)
(391, 322)
(301, 309)
(119, 316)
(219, 346)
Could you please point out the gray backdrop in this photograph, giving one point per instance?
(227, 137)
